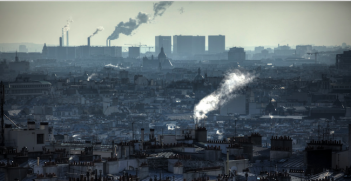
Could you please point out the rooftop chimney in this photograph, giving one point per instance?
(88, 41)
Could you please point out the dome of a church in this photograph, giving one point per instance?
(162, 54)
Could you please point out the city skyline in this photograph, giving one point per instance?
(243, 23)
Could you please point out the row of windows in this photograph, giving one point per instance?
(29, 86)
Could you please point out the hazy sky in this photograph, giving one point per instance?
(243, 23)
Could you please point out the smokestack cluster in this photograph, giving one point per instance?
(65, 30)
(108, 43)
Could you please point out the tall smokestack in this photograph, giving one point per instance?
(109, 43)
(60, 41)
(63, 37)
(67, 38)
(88, 41)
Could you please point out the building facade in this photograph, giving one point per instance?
(182, 45)
(216, 44)
(133, 52)
(199, 43)
(236, 54)
(165, 42)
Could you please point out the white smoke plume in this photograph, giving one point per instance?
(66, 27)
(100, 28)
(160, 7)
(233, 81)
(116, 66)
(91, 76)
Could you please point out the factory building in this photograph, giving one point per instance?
(70, 52)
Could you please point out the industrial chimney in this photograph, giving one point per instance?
(88, 41)
(67, 38)
(109, 43)
(63, 38)
(60, 41)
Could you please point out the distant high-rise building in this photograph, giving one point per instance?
(301, 50)
(198, 45)
(259, 49)
(343, 45)
(133, 52)
(23, 48)
(236, 54)
(216, 43)
(182, 45)
(165, 42)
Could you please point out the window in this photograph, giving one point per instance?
(40, 138)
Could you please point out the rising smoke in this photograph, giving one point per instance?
(160, 7)
(116, 66)
(128, 27)
(66, 27)
(233, 80)
(100, 28)
(91, 76)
